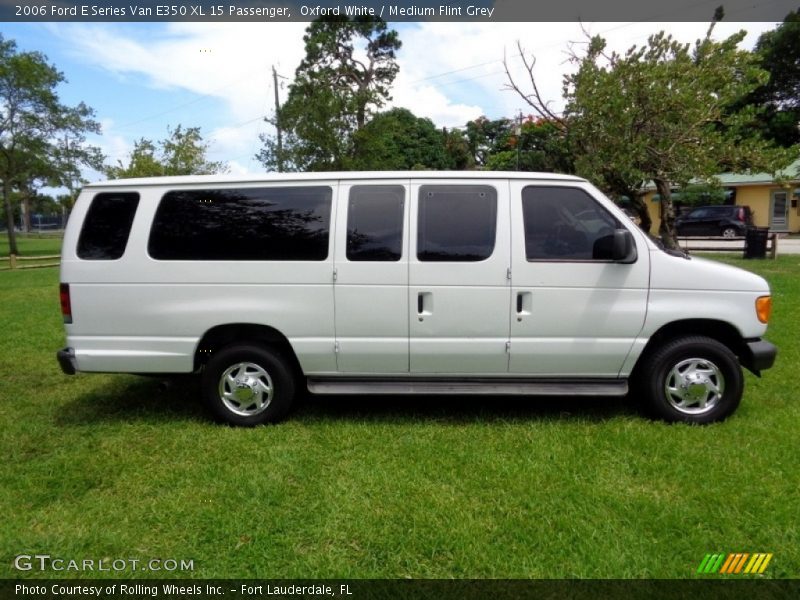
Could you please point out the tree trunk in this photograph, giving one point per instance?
(12, 236)
(666, 231)
(638, 203)
(26, 213)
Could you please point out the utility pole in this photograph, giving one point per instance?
(277, 120)
(518, 131)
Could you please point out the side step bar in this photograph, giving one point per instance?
(522, 387)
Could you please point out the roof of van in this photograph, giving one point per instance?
(331, 175)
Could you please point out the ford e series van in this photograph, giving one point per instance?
(401, 282)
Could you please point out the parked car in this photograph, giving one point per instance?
(726, 221)
(407, 282)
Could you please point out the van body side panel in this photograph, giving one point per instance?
(371, 296)
(458, 311)
(573, 318)
(145, 315)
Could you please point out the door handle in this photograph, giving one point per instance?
(524, 304)
(424, 304)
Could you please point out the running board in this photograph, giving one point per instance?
(513, 387)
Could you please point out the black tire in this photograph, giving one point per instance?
(704, 375)
(730, 232)
(261, 376)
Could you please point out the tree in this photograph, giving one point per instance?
(530, 144)
(32, 119)
(398, 140)
(333, 94)
(660, 113)
(182, 152)
(779, 54)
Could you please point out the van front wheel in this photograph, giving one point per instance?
(247, 385)
(692, 379)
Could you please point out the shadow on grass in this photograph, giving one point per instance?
(149, 399)
(459, 409)
(139, 399)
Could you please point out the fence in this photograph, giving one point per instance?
(14, 261)
(718, 244)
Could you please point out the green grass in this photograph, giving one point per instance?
(98, 466)
(33, 244)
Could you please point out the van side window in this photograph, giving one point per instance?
(271, 223)
(563, 223)
(457, 223)
(107, 226)
(375, 223)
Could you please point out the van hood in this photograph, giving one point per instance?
(677, 273)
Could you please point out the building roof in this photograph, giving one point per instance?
(790, 173)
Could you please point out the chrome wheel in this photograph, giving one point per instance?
(694, 386)
(245, 389)
(729, 233)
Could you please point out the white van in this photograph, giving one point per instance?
(401, 282)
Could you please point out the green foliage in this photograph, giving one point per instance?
(42, 141)
(660, 112)
(398, 140)
(779, 54)
(508, 145)
(182, 152)
(336, 88)
(701, 194)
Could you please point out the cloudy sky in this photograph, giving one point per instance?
(143, 77)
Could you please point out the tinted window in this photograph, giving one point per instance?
(700, 213)
(107, 226)
(565, 224)
(290, 223)
(375, 223)
(456, 223)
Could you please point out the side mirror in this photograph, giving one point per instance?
(623, 248)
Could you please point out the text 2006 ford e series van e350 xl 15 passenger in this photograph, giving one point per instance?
(401, 282)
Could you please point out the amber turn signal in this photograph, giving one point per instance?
(764, 308)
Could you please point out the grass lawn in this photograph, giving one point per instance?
(99, 466)
(33, 244)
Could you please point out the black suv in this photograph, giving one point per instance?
(727, 221)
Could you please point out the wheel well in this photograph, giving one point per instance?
(723, 332)
(224, 335)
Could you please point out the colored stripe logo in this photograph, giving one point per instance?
(735, 563)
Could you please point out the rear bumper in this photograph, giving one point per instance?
(67, 362)
(758, 355)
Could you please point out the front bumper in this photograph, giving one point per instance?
(67, 361)
(758, 355)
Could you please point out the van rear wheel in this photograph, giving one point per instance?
(693, 379)
(248, 385)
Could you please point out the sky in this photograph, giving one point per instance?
(142, 78)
